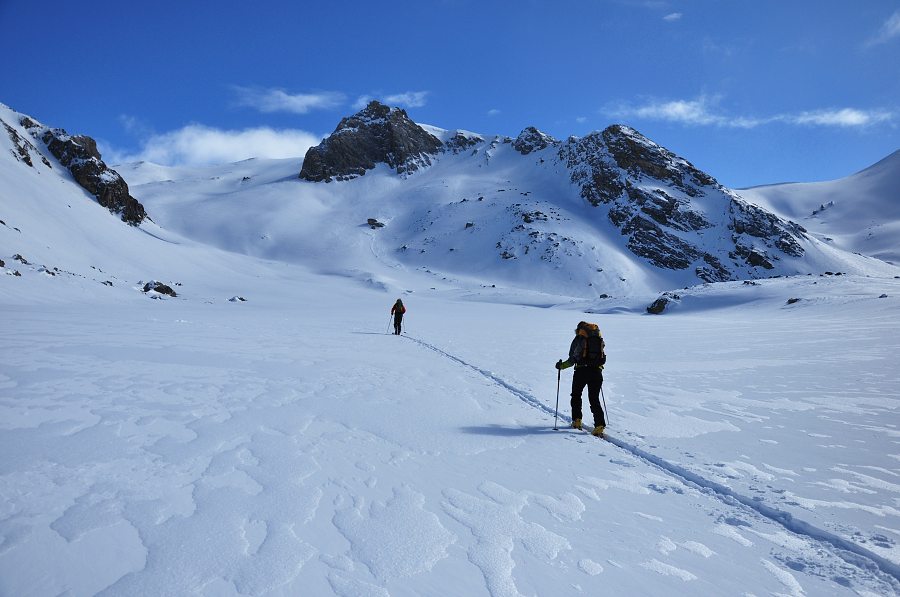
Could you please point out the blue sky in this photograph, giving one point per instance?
(752, 92)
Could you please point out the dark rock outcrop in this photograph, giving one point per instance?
(80, 156)
(659, 305)
(159, 287)
(377, 134)
(531, 139)
(460, 142)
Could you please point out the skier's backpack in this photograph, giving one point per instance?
(594, 352)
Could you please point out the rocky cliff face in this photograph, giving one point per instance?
(377, 134)
(79, 155)
(531, 139)
(671, 212)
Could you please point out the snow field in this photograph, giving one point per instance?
(236, 449)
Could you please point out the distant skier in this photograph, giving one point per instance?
(397, 311)
(588, 353)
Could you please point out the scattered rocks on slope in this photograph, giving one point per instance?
(376, 134)
(24, 149)
(373, 223)
(460, 142)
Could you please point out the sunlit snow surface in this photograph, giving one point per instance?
(288, 444)
(280, 447)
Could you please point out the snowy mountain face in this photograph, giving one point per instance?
(79, 155)
(859, 213)
(605, 215)
(669, 211)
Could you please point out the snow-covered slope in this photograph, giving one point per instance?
(287, 444)
(58, 242)
(611, 215)
(859, 213)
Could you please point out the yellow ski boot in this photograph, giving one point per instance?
(576, 423)
(598, 430)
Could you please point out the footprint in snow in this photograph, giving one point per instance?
(621, 462)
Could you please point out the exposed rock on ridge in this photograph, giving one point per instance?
(531, 139)
(663, 204)
(80, 156)
(23, 148)
(377, 134)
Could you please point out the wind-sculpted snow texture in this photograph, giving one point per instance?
(241, 449)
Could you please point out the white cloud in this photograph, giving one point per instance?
(493, 112)
(407, 99)
(278, 100)
(845, 117)
(197, 144)
(704, 111)
(410, 99)
(890, 29)
(675, 16)
(701, 111)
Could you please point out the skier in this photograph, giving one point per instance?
(397, 311)
(587, 352)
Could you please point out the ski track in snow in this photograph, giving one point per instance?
(850, 552)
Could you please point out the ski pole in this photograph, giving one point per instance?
(605, 410)
(390, 316)
(556, 412)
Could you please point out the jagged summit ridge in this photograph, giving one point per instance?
(376, 134)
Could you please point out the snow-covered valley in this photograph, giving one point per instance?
(287, 444)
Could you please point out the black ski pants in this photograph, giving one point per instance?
(398, 319)
(592, 378)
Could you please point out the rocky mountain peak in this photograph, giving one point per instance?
(531, 139)
(665, 206)
(376, 134)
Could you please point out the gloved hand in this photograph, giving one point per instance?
(561, 364)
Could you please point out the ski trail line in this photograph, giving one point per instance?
(847, 550)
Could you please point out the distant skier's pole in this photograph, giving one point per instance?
(390, 317)
(605, 410)
(556, 412)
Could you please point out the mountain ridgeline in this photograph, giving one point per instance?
(667, 212)
(78, 154)
(395, 204)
